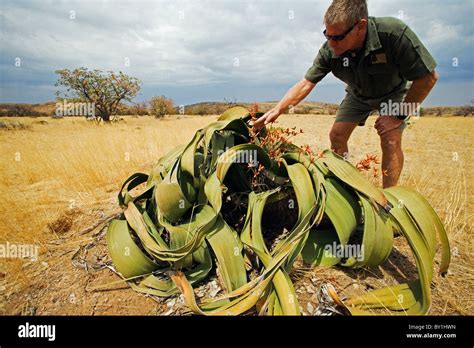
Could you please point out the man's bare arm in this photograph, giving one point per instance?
(421, 87)
(294, 95)
(418, 91)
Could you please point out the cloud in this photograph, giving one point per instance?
(216, 46)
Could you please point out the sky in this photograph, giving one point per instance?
(193, 51)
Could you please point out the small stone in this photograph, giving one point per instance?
(168, 312)
(171, 303)
(213, 288)
(310, 308)
(310, 290)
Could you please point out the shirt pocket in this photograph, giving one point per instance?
(379, 69)
(381, 79)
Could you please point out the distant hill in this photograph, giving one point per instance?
(23, 109)
(216, 108)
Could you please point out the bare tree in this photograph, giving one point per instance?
(140, 108)
(105, 90)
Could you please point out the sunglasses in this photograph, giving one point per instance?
(339, 37)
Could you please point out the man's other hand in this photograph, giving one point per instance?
(385, 124)
(269, 117)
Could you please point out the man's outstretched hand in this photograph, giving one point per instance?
(269, 117)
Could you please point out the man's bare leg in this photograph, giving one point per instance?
(392, 157)
(339, 135)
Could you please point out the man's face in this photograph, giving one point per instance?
(351, 41)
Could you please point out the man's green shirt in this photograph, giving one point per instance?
(392, 55)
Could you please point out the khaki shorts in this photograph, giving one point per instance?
(353, 109)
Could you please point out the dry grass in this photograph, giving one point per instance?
(50, 169)
(62, 176)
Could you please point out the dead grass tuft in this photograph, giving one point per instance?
(64, 222)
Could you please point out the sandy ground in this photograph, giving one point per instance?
(61, 192)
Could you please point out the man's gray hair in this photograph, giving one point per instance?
(347, 12)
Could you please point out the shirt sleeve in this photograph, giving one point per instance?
(321, 66)
(412, 57)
